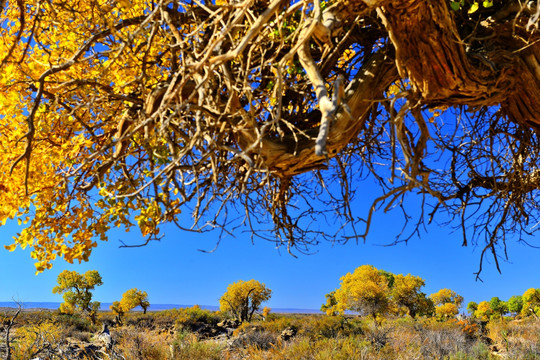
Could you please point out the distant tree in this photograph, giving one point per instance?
(77, 292)
(498, 307)
(472, 307)
(265, 312)
(484, 311)
(133, 298)
(117, 310)
(364, 291)
(406, 293)
(330, 307)
(243, 298)
(515, 304)
(447, 303)
(531, 302)
(446, 310)
(444, 296)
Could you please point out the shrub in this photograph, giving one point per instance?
(141, 345)
(192, 318)
(260, 339)
(323, 326)
(75, 322)
(140, 321)
(36, 339)
(188, 347)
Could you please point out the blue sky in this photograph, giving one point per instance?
(174, 271)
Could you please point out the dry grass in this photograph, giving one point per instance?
(167, 336)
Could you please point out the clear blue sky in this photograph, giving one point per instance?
(173, 271)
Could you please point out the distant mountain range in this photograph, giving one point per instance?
(153, 307)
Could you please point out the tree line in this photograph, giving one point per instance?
(367, 291)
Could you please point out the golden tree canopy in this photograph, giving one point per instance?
(77, 292)
(141, 113)
(364, 291)
(243, 298)
(133, 298)
(447, 303)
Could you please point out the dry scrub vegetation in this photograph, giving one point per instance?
(200, 334)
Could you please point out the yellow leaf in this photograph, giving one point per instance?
(10, 247)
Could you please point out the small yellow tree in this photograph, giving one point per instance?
(531, 302)
(483, 311)
(133, 298)
(447, 303)
(364, 291)
(446, 310)
(265, 312)
(130, 300)
(77, 292)
(117, 309)
(243, 298)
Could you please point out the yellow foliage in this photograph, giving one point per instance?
(34, 337)
(483, 312)
(76, 289)
(446, 310)
(39, 190)
(133, 298)
(364, 291)
(531, 302)
(406, 294)
(444, 296)
(243, 298)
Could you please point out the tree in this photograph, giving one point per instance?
(406, 293)
(515, 304)
(133, 298)
(446, 310)
(472, 306)
(484, 311)
(498, 307)
(531, 302)
(77, 292)
(365, 291)
(118, 310)
(117, 115)
(130, 300)
(447, 303)
(444, 296)
(243, 298)
(330, 307)
(265, 312)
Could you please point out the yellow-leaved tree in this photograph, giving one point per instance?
(135, 114)
(370, 291)
(77, 292)
(133, 298)
(130, 300)
(531, 302)
(483, 311)
(406, 293)
(364, 291)
(243, 298)
(447, 303)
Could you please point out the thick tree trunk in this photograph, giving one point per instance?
(432, 55)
